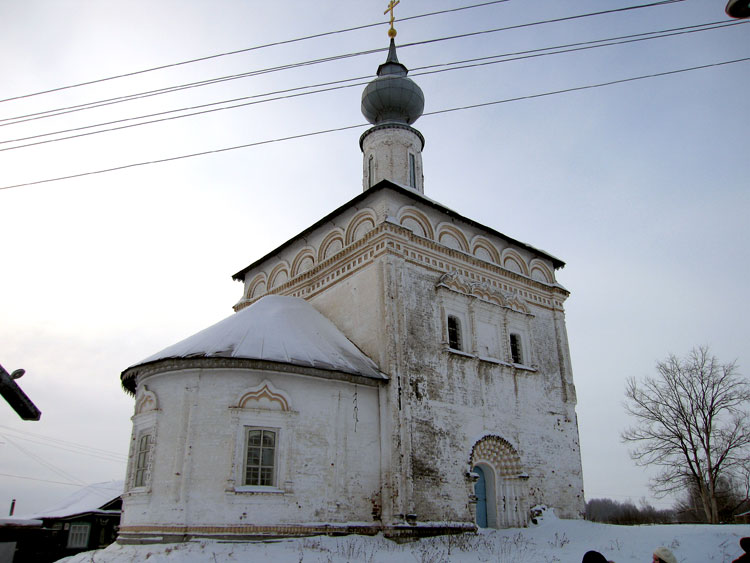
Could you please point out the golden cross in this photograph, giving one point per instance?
(392, 4)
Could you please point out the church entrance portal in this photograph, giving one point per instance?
(501, 485)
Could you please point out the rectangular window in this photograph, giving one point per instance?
(260, 460)
(370, 171)
(412, 171)
(454, 332)
(78, 536)
(516, 352)
(141, 460)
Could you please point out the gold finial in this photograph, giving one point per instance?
(392, 4)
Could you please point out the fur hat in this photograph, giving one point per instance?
(665, 555)
(593, 557)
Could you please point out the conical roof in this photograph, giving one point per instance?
(276, 329)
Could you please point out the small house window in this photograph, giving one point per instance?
(516, 351)
(260, 461)
(141, 460)
(78, 536)
(412, 171)
(454, 332)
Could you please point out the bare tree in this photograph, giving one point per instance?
(692, 422)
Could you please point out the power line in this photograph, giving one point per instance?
(248, 49)
(147, 94)
(59, 441)
(41, 461)
(129, 97)
(42, 480)
(457, 65)
(315, 133)
(80, 450)
(585, 45)
(587, 87)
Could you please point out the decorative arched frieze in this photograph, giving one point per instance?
(452, 237)
(453, 281)
(416, 221)
(480, 290)
(540, 271)
(486, 293)
(332, 243)
(514, 262)
(304, 261)
(500, 453)
(257, 286)
(516, 303)
(362, 223)
(484, 250)
(146, 401)
(279, 275)
(265, 396)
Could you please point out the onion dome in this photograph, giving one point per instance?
(392, 97)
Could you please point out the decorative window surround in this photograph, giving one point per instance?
(519, 330)
(257, 489)
(140, 463)
(454, 282)
(494, 361)
(459, 352)
(263, 407)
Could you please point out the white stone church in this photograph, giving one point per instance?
(396, 367)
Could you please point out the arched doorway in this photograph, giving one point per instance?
(499, 476)
(480, 491)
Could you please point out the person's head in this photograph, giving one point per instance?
(593, 557)
(663, 555)
(745, 545)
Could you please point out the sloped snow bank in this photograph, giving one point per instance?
(552, 540)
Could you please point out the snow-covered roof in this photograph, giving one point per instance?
(12, 521)
(88, 499)
(276, 329)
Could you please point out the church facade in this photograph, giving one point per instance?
(396, 367)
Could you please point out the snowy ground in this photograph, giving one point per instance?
(552, 540)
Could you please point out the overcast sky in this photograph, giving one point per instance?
(640, 187)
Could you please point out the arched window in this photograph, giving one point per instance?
(141, 461)
(454, 332)
(516, 350)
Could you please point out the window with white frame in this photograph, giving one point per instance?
(454, 333)
(142, 458)
(516, 348)
(412, 171)
(260, 457)
(78, 535)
